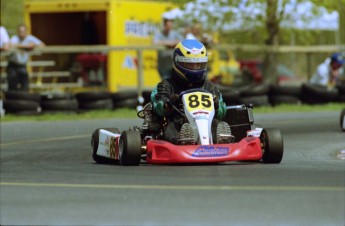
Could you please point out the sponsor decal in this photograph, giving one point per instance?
(114, 147)
(249, 139)
(106, 142)
(200, 112)
(195, 51)
(129, 62)
(254, 133)
(210, 151)
(200, 117)
(139, 29)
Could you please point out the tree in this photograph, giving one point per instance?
(273, 19)
(265, 16)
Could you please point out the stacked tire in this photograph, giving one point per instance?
(315, 94)
(230, 95)
(98, 100)
(284, 95)
(55, 102)
(341, 93)
(22, 103)
(126, 99)
(256, 95)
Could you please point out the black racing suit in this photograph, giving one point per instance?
(161, 95)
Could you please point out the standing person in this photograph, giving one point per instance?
(17, 75)
(168, 38)
(195, 32)
(4, 39)
(330, 72)
(189, 72)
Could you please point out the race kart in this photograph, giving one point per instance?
(207, 142)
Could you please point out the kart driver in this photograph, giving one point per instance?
(189, 72)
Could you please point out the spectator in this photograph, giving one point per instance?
(168, 38)
(4, 39)
(330, 72)
(17, 75)
(194, 32)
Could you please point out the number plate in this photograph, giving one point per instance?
(198, 101)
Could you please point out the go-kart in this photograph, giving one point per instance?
(243, 141)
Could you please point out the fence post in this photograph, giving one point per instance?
(309, 70)
(140, 79)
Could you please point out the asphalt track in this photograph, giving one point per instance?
(49, 178)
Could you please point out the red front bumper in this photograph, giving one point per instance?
(159, 151)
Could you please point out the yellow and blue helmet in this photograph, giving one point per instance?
(190, 60)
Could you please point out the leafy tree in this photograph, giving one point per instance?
(263, 18)
(11, 14)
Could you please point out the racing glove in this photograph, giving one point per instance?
(216, 102)
(174, 98)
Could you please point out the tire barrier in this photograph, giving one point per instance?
(341, 93)
(314, 94)
(97, 100)
(125, 99)
(55, 102)
(231, 97)
(256, 95)
(23, 103)
(284, 95)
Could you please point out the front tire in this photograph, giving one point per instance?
(272, 145)
(130, 148)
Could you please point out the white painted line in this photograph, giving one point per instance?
(180, 187)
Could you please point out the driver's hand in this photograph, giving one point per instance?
(216, 102)
(167, 106)
(174, 98)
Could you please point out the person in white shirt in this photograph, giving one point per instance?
(168, 38)
(17, 75)
(330, 73)
(4, 39)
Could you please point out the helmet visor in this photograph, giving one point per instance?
(192, 63)
(193, 66)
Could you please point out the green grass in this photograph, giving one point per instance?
(99, 114)
(300, 108)
(131, 113)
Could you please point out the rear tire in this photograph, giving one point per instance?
(94, 145)
(130, 148)
(272, 145)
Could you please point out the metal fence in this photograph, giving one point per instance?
(303, 59)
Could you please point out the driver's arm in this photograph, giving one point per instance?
(160, 97)
(221, 108)
(221, 111)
